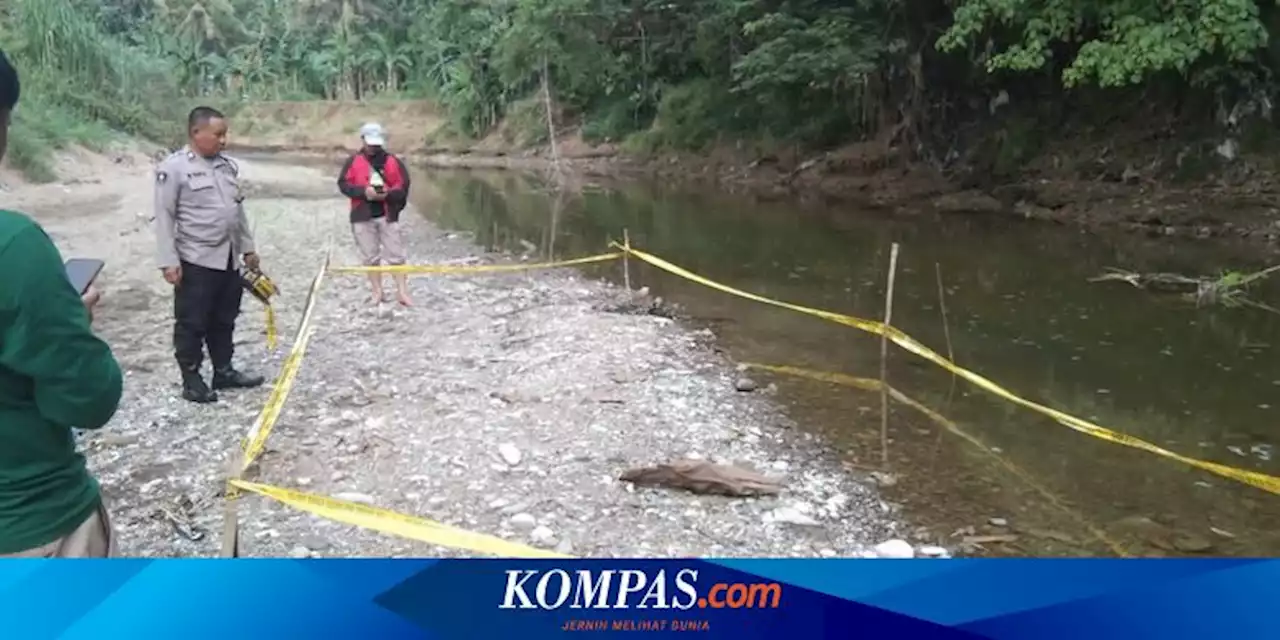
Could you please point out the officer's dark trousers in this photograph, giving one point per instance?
(205, 307)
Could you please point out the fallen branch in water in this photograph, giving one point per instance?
(1227, 289)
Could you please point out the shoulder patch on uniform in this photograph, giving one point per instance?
(162, 177)
(170, 161)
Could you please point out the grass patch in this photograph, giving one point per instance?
(446, 135)
(79, 84)
(28, 154)
(39, 129)
(525, 124)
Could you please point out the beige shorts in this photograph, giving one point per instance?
(94, 538)
(379, 242)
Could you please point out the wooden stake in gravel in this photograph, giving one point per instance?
(626, 260)
(884, 358)
(231, 510)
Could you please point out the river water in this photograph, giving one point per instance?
(1020, 310)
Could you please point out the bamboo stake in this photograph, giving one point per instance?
(230, 530)
(626, 261)
(951, 354)
(946, 328)
(556, 204)
(884, 358)
(231, 511)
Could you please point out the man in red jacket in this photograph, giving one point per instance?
(378, 185)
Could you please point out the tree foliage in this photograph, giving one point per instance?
(685, 72)
(1112, 42)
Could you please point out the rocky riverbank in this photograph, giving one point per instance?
(507, 404)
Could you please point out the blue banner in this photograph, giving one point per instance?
(738, 599)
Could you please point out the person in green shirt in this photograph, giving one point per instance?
(55, 375)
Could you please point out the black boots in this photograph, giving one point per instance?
(229, 378)
(194, 388)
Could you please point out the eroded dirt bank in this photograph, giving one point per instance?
(408, 409)
(1246, 215)
(1123, 182)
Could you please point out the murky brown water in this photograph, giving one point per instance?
(1020, 309)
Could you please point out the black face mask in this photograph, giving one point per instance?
(376, 152)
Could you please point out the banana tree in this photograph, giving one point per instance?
(211, 25)
(343, 14)
(325, 69)
(292, 60)
(214, 71)
(344, 57)
(368, 69)
(397, 65)
(391, 58)
(249, 65)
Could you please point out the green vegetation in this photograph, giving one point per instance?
(78, 85)
(661, 73)
(689, 74)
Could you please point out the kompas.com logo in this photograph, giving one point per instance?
(611, 589)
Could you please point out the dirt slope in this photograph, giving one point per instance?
(331, 125)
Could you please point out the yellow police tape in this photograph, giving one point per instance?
(398, 524)
(256, 440)
(475, 268)
(1252, 478)
(871, 384)
(272, 339)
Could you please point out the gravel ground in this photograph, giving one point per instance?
(408, 409)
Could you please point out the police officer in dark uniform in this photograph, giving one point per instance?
(201, 232)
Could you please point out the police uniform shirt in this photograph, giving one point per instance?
(199, 211)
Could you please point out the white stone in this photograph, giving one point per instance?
(895, 549)
(524, 520)
(510, 454)
(790, 515)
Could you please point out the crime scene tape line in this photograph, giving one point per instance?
(398, 524)
(272, 338)
(1253, 478)
(256, 439)
(475, 268)
(872, 384)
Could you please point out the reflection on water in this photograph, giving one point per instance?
(1020, 310)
